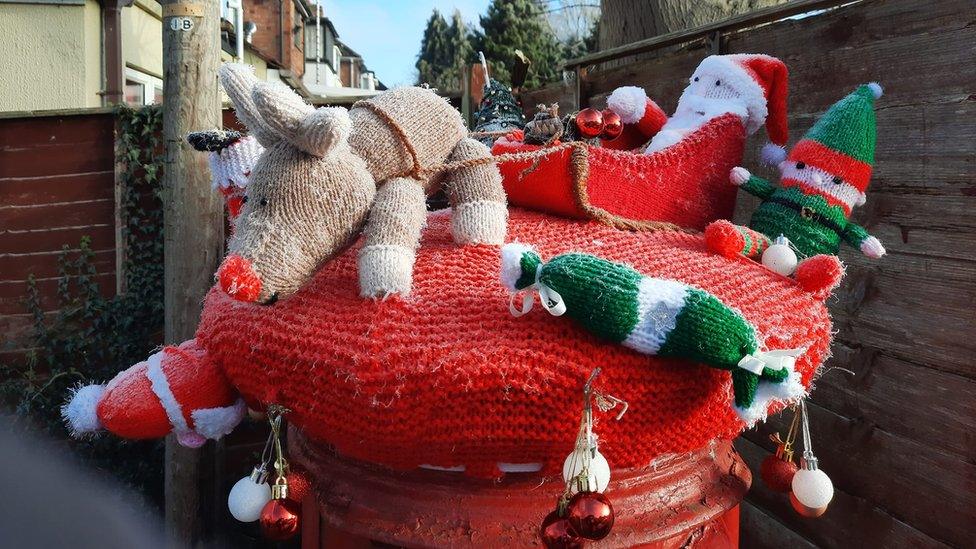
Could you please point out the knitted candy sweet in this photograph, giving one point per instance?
(824, 177)
(313, 190)
(655, 316)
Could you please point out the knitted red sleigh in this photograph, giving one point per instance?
(686, 184)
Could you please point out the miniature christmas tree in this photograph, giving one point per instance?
(498, 110)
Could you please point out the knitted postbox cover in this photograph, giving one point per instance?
(686, 184)
(447, 377)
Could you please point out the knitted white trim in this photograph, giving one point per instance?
(81, 411)
(630, 102)
(788, 392)
(214, 423)
(385, 269)
(658, 303)
(511, 269)
(162, 390)
(480, 222)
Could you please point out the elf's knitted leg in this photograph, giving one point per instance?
(729, 240)
(392, 235)
(476, 193)
(820, 274)
(654, 316)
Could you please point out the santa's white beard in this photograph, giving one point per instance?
(693, 112)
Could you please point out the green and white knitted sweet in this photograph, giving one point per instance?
(658, 317)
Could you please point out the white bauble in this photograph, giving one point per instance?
(780, 257)
(247, 498)
(599, 475)
(812, 490)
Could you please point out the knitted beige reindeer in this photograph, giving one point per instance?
(329, 172)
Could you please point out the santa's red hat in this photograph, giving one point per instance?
(761, 81)
(641, 116)
(175, 390)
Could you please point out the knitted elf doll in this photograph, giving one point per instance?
(824, 177)
(657, 317)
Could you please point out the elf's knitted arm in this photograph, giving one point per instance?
(858, 236)
(756, 186)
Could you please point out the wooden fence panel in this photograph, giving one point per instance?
(898, 437)
(57, 177)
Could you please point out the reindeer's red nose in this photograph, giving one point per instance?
(238, 279)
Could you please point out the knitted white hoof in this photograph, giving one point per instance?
(480, 222)
(384, 270)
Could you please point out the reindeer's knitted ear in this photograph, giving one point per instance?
(324, 130)
(238, 80)
(281, 109)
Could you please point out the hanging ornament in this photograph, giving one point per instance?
(589, 123)
(599, 469)
(280, 517)
(582, 511)
(777, 470)
(556, 533)
(812, 488)
(591, 515)
(613, 126)
(780, 257)
(249, 495)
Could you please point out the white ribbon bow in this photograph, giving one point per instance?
(776, 360)
(550, 299)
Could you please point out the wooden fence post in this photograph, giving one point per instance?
(194, 234)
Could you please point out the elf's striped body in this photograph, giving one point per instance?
(653, 316)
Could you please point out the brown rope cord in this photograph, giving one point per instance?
(578, 164)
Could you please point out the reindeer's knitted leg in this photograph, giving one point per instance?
(480, 215)
(392, 235)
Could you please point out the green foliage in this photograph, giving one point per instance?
(92, 337)
(445, 51)
(520, 24)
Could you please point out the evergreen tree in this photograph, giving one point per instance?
(444, 52)
(520, 24)
(434, 57)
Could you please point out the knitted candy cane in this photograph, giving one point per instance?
(657, 317)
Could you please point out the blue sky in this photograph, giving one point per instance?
(387, 33)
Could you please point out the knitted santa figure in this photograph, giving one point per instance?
(175, 390)
(823, 179)
(232, 157)
(751, 86)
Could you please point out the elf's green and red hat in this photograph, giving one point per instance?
(842, 142)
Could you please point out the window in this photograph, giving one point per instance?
(142, 88)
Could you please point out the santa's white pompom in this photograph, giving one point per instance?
(876, 89)
(81, 411)
(512, 263)
(629, 102)
(772, 154)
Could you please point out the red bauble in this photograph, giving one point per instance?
(556, 533)
(589, 122)
(298, 485)
(612, 125)
(591, 515)
(778, 473)
(280, 519)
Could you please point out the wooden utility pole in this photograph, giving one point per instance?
(194, 234)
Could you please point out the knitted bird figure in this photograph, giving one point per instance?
(822, 179)
(658, 317)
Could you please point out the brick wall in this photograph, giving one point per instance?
(275, 36)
